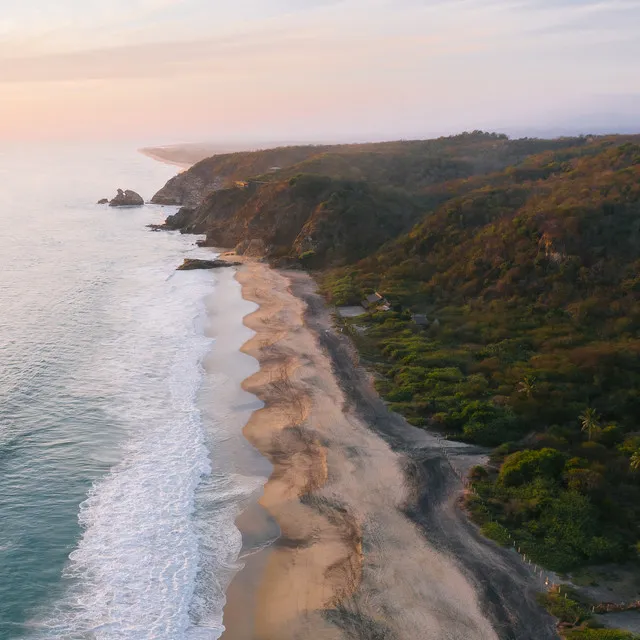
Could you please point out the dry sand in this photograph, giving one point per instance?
(166, 159)
(349, 562)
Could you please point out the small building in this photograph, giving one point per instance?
(377, 302)
(372, 300)
(420, 319)
(274, 169)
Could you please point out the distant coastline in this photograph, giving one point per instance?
(166, 156)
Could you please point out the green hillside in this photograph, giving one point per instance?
(530, 279)
(522, 260)
(317, 219)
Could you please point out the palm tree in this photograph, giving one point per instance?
(634, 463)
(527, 386)
(590, 421)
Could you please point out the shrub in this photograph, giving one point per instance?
(495, 531)
(524, 466)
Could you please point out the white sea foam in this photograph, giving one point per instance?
(134, 572)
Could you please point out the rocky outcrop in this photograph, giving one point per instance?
(335, 220)
(185, 221)
(187, 189)
(190, 264)
(127, 198)
(103, 201)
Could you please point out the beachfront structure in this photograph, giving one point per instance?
(376, 301)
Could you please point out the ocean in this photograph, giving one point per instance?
(122, 462)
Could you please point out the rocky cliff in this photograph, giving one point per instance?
(322, 220)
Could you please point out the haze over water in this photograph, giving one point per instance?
(103, 451)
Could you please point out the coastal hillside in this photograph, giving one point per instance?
(409, 165)
(193, 186)
(335, 204)
(511, 269)
(314, 219)
(516, 324)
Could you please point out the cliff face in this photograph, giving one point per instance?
(326, 221)
(187, 189)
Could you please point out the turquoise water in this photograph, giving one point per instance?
(102, 446)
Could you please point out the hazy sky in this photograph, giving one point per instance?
(172, 70)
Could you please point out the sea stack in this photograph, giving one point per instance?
(127, 198)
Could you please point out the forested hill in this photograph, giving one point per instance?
(335, 205)
(513, 272)
(409, 165)
(530, 282)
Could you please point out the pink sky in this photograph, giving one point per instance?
(172, 70)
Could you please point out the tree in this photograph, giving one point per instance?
(634, 463)
(527, 386)
(523, 466)
(590, 421)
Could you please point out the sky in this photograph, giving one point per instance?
(315, 70)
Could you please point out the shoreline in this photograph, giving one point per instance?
(183, 166)
(314, 560)
(365, 503)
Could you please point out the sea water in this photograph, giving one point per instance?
(106, 464)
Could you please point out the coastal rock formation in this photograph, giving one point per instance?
(103, 201)
(183, 221)
(333, 220)
(190, 264)
(186, 189)
(127, 198)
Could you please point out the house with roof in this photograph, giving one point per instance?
(376, 301)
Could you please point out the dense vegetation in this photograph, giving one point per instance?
(524, 256)
(316, 219)
(530, 279)
(576, 622)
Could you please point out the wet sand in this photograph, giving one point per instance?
(371, 542)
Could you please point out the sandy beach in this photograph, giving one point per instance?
(166, 159)
(371, 543)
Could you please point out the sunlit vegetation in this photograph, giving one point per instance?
(530, 280)
(524, 258)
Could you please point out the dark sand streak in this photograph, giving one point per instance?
(506, 586)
